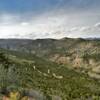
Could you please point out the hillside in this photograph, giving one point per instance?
(44, 80)
(80, 54)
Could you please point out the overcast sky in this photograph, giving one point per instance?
(49, 18)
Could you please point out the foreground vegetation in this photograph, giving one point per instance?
(23, 75)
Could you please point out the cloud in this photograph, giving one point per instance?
(50, 25)
(97, 25)
(25, 23)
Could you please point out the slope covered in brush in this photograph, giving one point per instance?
(80, 54)
(26, 71)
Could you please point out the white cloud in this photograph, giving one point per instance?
(25, 23)
(50, 25)
(97, 25)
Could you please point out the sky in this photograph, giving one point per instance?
(34, 19)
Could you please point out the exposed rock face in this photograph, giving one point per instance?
(92, 62)
(96, 69)
(63, 60)
(77, 62)
(54, 57)
(85, 65)
(94, 75)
